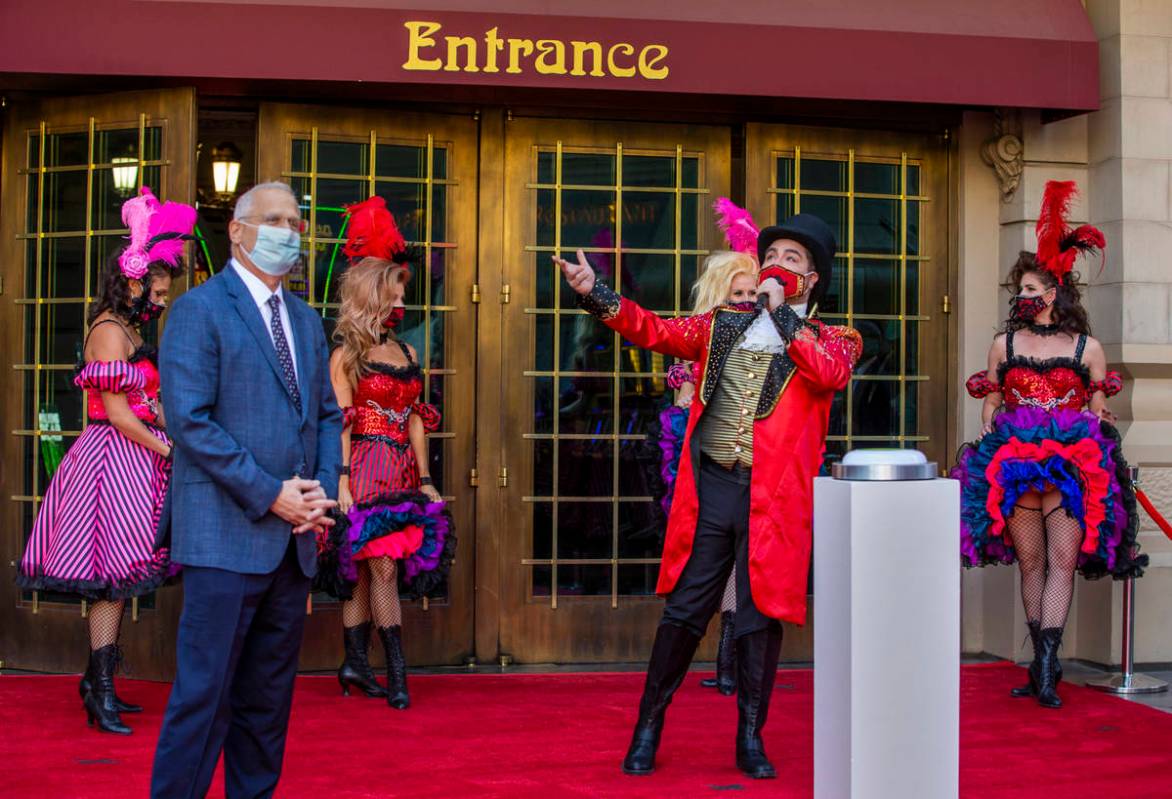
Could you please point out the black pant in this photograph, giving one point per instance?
(239, 638)
(722, 541)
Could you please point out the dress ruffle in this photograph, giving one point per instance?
(1030, 450)
(673, 423)
(115, 376)
(404, 525)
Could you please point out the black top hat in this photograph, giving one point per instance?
(813, 234)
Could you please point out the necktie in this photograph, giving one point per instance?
(283, 355)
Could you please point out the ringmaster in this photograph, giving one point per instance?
(744, 495)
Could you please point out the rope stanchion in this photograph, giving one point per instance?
(1127, 682)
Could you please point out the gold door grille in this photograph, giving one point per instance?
(330, 172)
(76, 179)
(640, 215)
(876, 205)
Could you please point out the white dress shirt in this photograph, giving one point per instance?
(260, 295)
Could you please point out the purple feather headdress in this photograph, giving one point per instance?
(157, 232)
(737, 225)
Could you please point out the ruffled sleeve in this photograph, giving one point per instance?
(980, 386)
(349, 414)
(429, 414)
(118, 377)
(1111, 385)
(679, 373)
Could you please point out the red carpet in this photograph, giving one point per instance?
(563, 735)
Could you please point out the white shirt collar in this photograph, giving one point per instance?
(256, 287)
(762, 335)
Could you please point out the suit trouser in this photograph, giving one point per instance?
(721, 544)
(239, 639)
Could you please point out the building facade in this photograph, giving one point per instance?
(501, 137)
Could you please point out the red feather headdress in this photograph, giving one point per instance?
(1058, 244)
(371, 231)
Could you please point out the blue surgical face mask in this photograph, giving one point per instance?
(277, 249)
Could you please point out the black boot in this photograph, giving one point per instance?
(1048, 668)
(671, 654)
(392, 638)
(99, 701)
(725, 680)
(86, 682)
(355, 669)
(757, 655)
(1031, 688)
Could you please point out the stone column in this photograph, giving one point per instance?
(1130, 154)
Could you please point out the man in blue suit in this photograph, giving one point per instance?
(246, 387)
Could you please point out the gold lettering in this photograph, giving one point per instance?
(580, 50)
(647, 64)
(469, 45)
(419, 37)
(615, 69)
(515, 48)
(492, 46)
(546, 47)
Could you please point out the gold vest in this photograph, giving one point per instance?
(727, 432)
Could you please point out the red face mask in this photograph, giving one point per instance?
(793, 284)
(396, 317)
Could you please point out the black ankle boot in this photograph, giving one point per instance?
(671, 654)
(1049, 640)
(355, 669)
(1031, 687)
(84, 685)
(757, 655)
(725, 680)
(392, 638)
(99, 701)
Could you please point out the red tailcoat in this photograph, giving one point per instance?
(789, 438)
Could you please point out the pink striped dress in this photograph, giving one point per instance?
(95, 532)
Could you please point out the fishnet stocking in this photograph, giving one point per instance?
(105, 619)
(384, 593)
(357, 610)
(1064, 537)
(729, 601)
(1027, 528)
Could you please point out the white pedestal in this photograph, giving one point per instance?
(886, 639)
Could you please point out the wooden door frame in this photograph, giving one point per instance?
(49, 637)
(937, 225)
(530, 630)
(426, 641)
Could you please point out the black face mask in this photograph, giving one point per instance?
(142, 310)
(1026, 309)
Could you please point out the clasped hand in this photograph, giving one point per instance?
(304, 504)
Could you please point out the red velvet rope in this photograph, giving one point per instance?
(1155, 514)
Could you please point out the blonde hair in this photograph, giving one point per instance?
(719, 271)
(366, 302)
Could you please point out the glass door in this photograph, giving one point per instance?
(424, 165)
(69, 163)
(581, 546)
(886, 197)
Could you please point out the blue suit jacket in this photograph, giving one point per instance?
(237, 433)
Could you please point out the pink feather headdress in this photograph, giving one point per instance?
(737, 225)
(1058, 244)
(157, 232)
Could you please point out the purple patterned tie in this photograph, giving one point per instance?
(283, 355)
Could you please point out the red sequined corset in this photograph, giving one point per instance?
(1049, 384)
(384, 401)
(136, 377)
